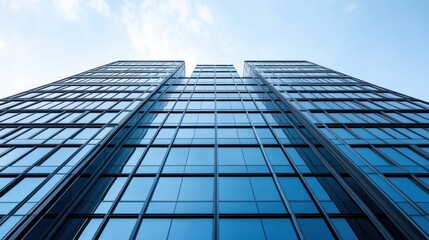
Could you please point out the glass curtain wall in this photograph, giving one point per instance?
(136, 150)
(47, 133)
(213, 156)
(383, 135)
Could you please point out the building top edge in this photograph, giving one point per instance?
(275, 61)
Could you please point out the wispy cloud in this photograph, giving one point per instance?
(69, 9)
(100, 6)
(17, 5)
(167, 29)
(204, 12)
(72, 10)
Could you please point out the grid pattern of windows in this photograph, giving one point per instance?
(47, 133)
(136, 150)
(218, 153)
(381, 133)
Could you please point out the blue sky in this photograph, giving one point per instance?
(385, 42)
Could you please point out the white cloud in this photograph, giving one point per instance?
(72, 10)
(69, 9)
(204, 12)
(350, 7)
(2, 44)
(171, 29)
(100, 6)
(18, 4)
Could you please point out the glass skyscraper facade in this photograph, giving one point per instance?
(290, 150)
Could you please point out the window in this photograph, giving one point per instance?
(5, 181)
(315, 228)
(141, 135)
(298, 198)
(105, 118)
(266, 136)
(229, 105)
(198, 119)
(278, 160)
(88, 118)
(17, 193)
(233, 119)
(91, 228)
(68, 132)
(412, 190)
(403, 160)
(247, 229)
(135, 195)
(249, 195)
(195, 136)
(376, 160)
(236, 136)
(355, 228)
(300, 159)
(331, 196)
(13, 155)
(86, 134)
(118, 228)
(152, 160)
(276, 119)
(153, 119)
(59, 157)
(190, 160)
(343, 133)
(257, 119)
(127, 159)
(173, 119)
(288, 136)
(165, 136)
(182, 195)
(175, 229)
(241, 160)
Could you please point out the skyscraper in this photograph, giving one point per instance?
(291, 150)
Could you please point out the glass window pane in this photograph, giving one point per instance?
(196, 189)
(314, 228)
(118, 228)
(264, 189)
(13, 155)
(32, 157)
(235, 189)
(297, 195)
(114, 189)
(167, 189)
(138, 189)
(90, 229)
(278, 229)
(183, 229)
(249, 195)
(59, 157)
(5, 181)
(21, 190)
(344, 229)
(240, 229)
(201, 156)
(411, 189)
(152, 160)
(154, 229)
(278, 160)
